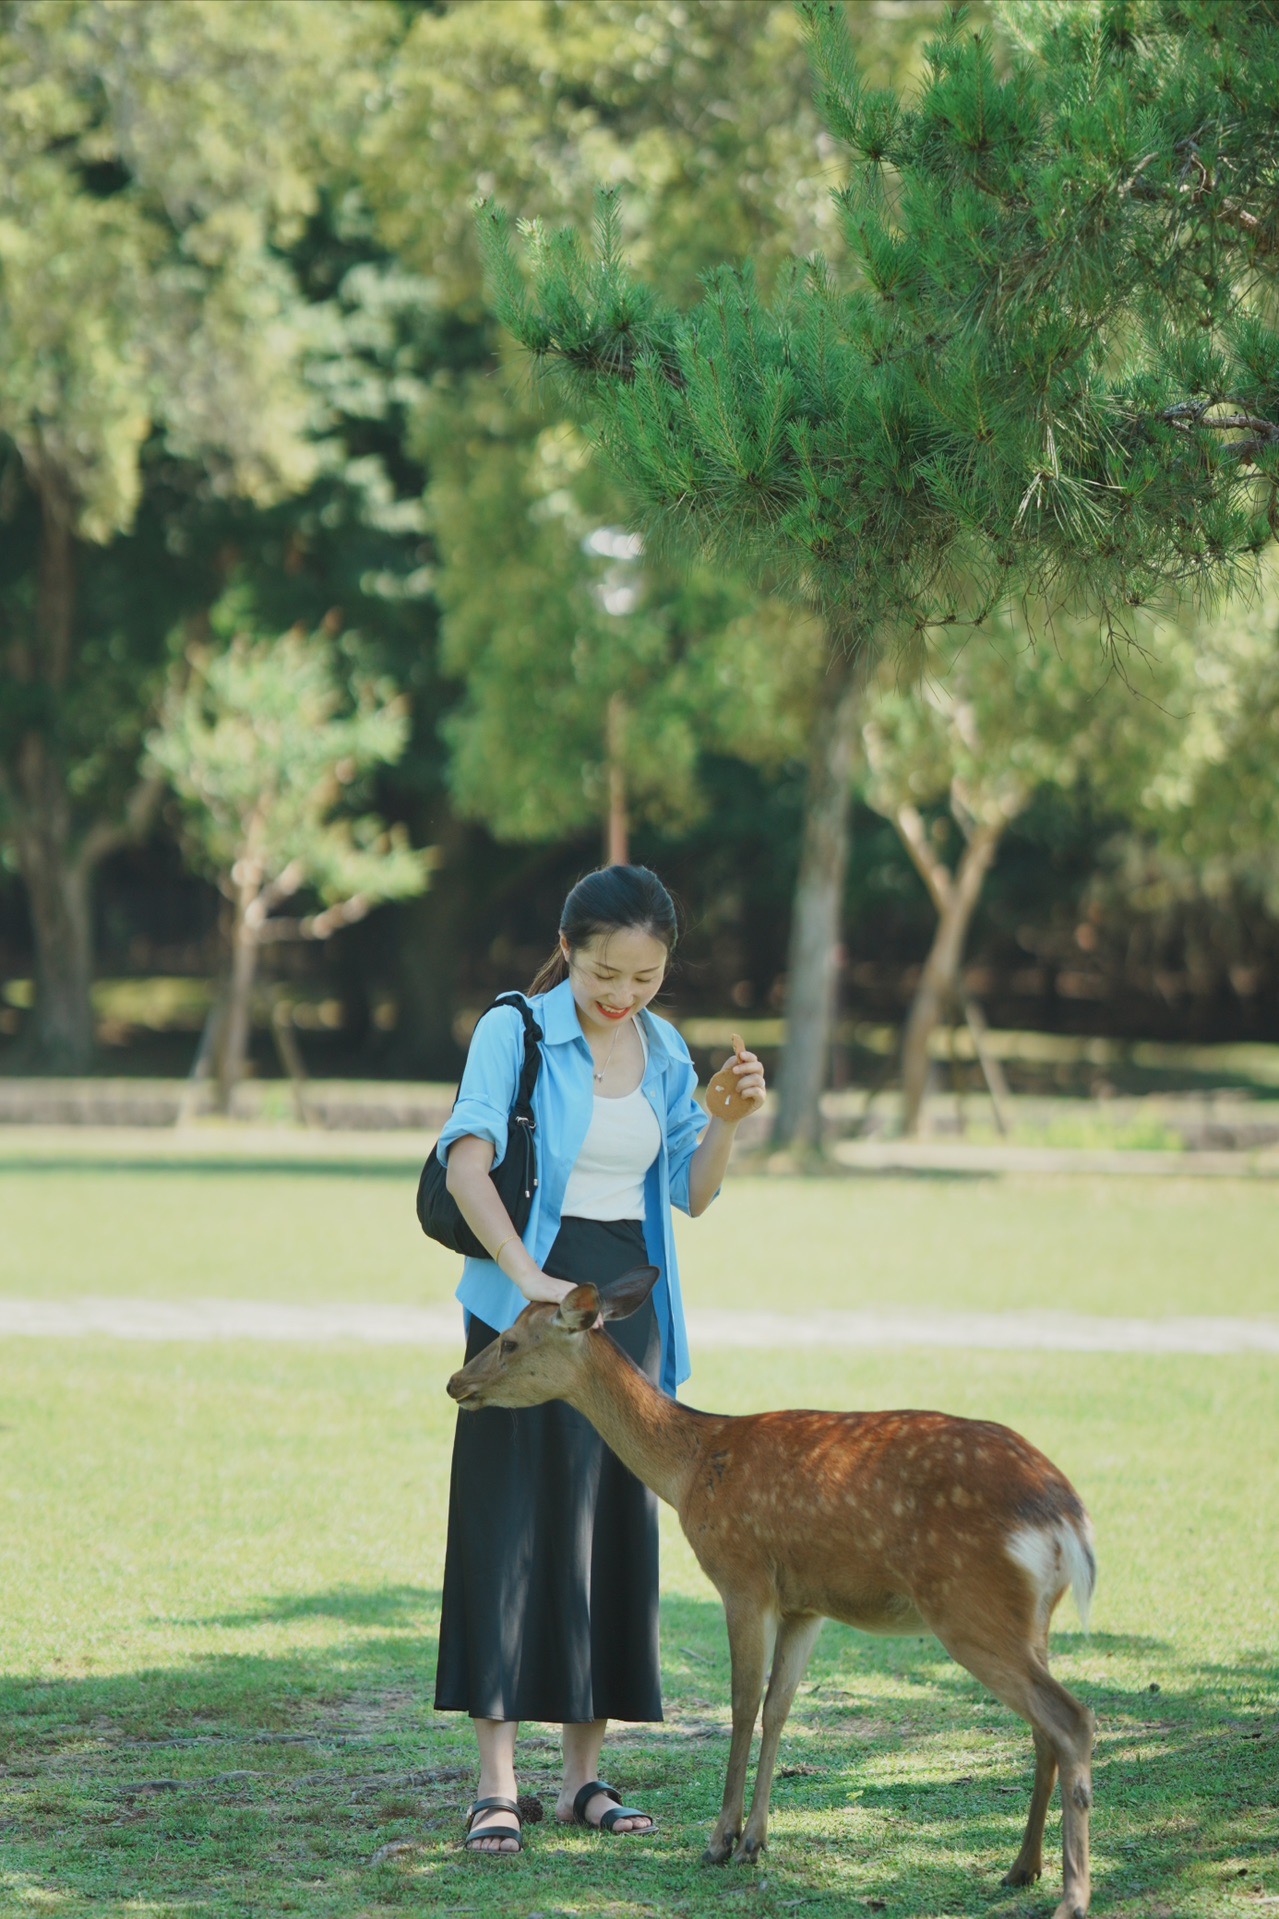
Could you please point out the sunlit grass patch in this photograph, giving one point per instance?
(220, 1567)
(226, 1563)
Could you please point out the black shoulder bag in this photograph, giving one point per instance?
(515, 1176)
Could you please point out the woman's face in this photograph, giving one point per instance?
(614, 974)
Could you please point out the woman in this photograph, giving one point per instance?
(550, 1581)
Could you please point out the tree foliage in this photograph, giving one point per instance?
(1209, 807)
(154, 162)
(155, 159)
(702, 113)
(265, 744)
(594, 679)
(1003, 714)
(1046, 363)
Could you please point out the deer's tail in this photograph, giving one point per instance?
(1058, 1553)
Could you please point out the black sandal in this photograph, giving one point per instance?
(610, 1818)
(492, 1832)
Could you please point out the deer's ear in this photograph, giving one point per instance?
(630, 1292)
(578, 1309)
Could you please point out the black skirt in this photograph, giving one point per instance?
(550, 1574)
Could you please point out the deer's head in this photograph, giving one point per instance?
(541, 1355)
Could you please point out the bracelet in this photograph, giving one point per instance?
(502, 1248)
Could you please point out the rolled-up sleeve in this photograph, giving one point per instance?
(485, 1097)
(686, 1121)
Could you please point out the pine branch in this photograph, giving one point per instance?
(318, 926)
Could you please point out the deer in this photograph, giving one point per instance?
(893, 1522)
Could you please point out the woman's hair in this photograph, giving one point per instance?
(608, 901)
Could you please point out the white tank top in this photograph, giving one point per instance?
(622, 1141)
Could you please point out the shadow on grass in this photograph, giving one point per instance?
(352, 1605)
(255, 1783)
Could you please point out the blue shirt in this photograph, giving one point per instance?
(563, 1101)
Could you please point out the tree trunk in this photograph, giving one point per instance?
(815, 915)
(937, 989)
(617, 837)
(233, 1046)
(59, 1037)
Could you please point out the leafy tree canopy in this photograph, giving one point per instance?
(267, 744)
(264, 743)
(154, 160)
(1048, 360)
(584, 664)
(703, 113)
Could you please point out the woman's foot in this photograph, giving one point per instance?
(493, 1825)
(600, 1809)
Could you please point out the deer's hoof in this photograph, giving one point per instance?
(719, 1850)
(747, 1851)
(1019, 1875)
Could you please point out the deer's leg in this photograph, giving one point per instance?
(796, 1637)
(1071, 1728)
(1016, 1674)
(750, 1626)
(1029, 1863)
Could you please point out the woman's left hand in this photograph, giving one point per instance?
(738, 1087)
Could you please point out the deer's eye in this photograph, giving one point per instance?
(505, 1348)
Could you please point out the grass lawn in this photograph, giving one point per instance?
(334, 1230)
(220, 1569)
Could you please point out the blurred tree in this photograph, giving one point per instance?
(1049, 365)
(1214, 802)
(153, 163)
(1000, 715)
(265, 744)
(1196, 866)
(594, 680)
(705, 113)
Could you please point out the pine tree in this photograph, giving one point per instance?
(268, 745)
(1046, 365)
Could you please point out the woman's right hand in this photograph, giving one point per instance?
(531, 1280)
(520, 1267)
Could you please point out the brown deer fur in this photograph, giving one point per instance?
(894, 1522)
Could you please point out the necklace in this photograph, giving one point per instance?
(608, 1062)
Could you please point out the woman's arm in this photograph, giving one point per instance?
(710, 1161)
(467, 1178)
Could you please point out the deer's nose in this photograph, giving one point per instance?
(459, 1388)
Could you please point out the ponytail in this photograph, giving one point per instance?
(550, 973)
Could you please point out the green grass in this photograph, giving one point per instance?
(344, 1230)
(220, 1570)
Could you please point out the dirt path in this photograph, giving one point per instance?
(207, 1319)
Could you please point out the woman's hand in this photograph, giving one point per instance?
(520, 1266)
(736, 1091)
(738, 1088)
(467, 1176)
(523, 1270)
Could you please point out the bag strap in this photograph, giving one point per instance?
(532, 1066)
